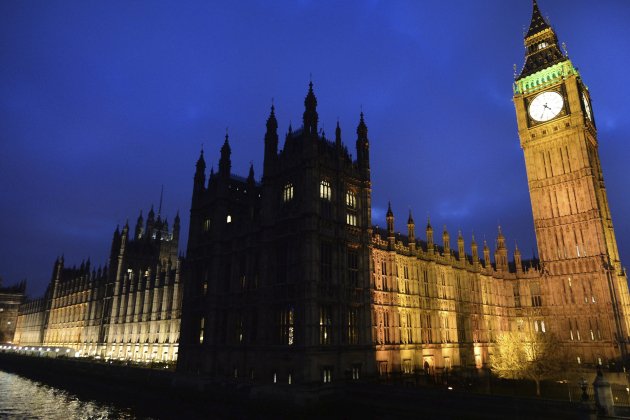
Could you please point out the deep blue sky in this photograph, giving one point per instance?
(103, 102)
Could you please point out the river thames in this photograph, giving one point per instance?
(22, 398)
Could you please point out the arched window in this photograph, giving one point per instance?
(325, 191)
(287, 192)
(351, 199)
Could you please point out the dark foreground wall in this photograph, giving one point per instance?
(151, 393)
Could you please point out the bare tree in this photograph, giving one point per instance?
(529, 355)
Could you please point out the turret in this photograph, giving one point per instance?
(390, 225)
(338, 136)
(139, 227)
(500, 254)
(474, 251)
(446, 242)
(486, 255)
(411, 232)
(150, 223)
(363, 147)
(430, 245)
(200, 174)
(115, 243)
(518, 262)
(271, 143)
(125, 233)
(460, 246)
(251, 181)
(310, 112)
(225, 164)
(176, 228)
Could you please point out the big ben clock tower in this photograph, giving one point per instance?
(586, 287)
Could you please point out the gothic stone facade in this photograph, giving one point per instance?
(127, 310)
(287, 280)
(278, 271)
(10, 299)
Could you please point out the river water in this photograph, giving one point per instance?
(22, 398)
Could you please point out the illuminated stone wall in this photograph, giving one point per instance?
(129, 310)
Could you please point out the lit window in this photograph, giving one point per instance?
(327, 375)
(407, 366)
(325, 324)
(201, 328)
(229, 218)
(356, 372)
(351, 200)
(325, 192)
(579, 360)
(287, 193)
(206, 225)
(351, 219)
(290, 379)
(275, 377)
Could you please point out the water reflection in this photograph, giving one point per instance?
(23, 398)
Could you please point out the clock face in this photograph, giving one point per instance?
(546, 106)
(587, 107)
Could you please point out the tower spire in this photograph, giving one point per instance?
(271, 142)
(225, 163)
(538, 22)
(363, 147)
(310, 111)
(541, 45)
(161, 198)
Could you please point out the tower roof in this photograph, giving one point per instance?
(541, 43)
(538, 23)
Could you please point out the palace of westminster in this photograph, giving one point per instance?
(286, 279)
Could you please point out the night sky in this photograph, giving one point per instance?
(102, 103)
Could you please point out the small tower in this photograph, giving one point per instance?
(446, 242)
(338, 136)
(310, 112)
(251, 181)
(139, 227)
(363, 147)
(411, 232)
(390, 226)
(518, 262)
(271, 144)
(200, 174)
(500, 254)
(486, 255)
(474, 251)
(150, 223)
(460, 246)
(430, 243)
(176, 228)
(225, 164)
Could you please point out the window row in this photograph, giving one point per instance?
(325, 193)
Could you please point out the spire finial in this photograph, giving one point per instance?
(161, 197)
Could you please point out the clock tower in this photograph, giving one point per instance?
(586, 287)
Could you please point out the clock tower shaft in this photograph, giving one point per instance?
(574, 231)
